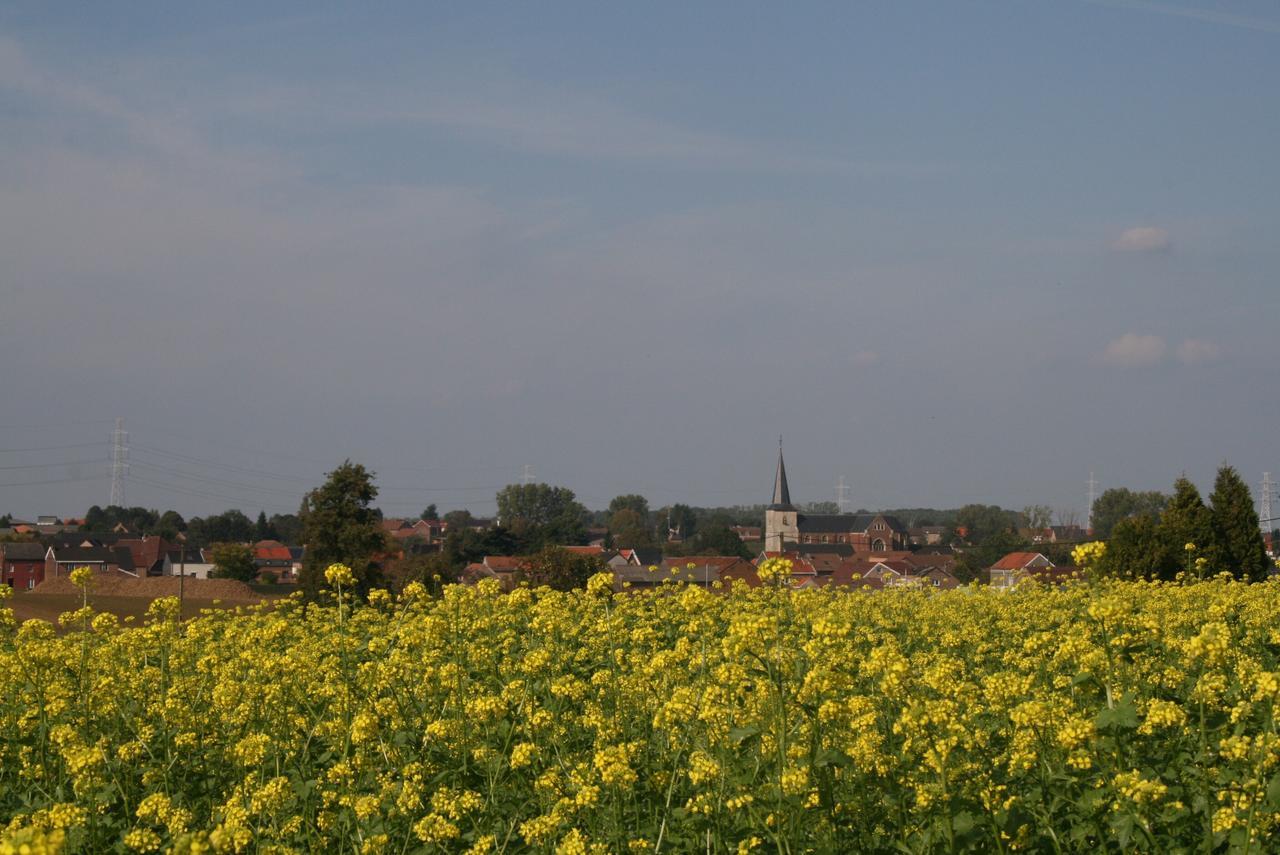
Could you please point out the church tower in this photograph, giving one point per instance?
(780, 523)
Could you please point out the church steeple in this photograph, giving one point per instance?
(781, 492)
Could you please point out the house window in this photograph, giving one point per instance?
(877, 545)
(824, 538)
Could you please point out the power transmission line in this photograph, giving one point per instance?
(53, 481)
(56, 463)
(97, 444)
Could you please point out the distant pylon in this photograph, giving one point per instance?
(1266, 520)
(527, 475)
(842, 495)
(119, 462)
(1093, 497)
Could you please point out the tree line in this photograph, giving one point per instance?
(1150, 535)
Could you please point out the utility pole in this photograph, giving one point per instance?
(842, 496)
(1093, 497)
(119, 462)
(182, 575)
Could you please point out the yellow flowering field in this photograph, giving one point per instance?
(1121, 716)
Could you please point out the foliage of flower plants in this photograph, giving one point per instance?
(1121, 716)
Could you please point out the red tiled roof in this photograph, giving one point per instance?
(503, 563)
(272, 553)
(1016, 560)
(584, 550)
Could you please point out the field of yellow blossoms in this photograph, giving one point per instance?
(1111, 717)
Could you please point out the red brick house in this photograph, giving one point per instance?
(61, 560)
(21, 565)
(150, 555)
(272, 556)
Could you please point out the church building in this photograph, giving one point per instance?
(785, 526)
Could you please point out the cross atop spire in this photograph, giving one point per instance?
(781, 492)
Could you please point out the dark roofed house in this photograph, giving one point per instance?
(21, 565)
(641, 556)
(60, 561)
(703, 570)
(149, 556)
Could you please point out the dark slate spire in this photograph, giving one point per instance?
(781, 492)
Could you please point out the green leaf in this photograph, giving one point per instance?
(1273, 791)
(829, 757)
(1122, 716)
(1122, 828)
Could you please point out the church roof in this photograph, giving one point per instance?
(842, 523)
(781, 492)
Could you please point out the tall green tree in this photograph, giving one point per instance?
(430, 513)
(541, 515)
(234, 561)
(1243, 553)
(458, 520)
(1121, 502)
(1138, 549)
(717, 538)
(465, 545)
(230, 526)
(630, 501)
(680, 520)
(170, 525)
(559, 568)
(288, 528)
(629, 529)
(340, 525)
(982, 522)
(1188, 521)
(433, 570)
(262, 529)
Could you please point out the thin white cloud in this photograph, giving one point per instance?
(152, 134)
(1142, 239)
(1195, 351)
(1244, 22)
(1133, 349)
(523, 116)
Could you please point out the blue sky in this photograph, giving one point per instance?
(953, 251)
